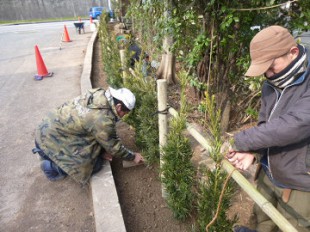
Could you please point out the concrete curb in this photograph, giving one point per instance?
(87, 67)
(107, 210)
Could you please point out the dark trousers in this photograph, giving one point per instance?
(54, 172)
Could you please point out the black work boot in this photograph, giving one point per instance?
(242, 229)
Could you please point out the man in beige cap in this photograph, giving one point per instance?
(75, 138)
(281, 139)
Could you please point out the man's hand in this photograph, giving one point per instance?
(241, 160)
(138, 158)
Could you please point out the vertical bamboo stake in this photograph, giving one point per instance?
(123, 62)
(162, 122)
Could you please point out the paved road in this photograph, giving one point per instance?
(305, 38)
(28, 202)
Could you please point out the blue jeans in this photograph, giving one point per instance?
(50, 169)
(53, 172)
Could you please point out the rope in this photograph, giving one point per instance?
(165, 111)
(220, 200)
(266, 7)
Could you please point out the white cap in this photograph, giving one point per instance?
(124, 95)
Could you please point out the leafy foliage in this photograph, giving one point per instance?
(212, 182)
(147, 17)
(211, 39)
(177, 169)
(110, 56)
(210, 188)
(144, 117)
(212, 119)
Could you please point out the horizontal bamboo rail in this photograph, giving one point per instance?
(258, 198)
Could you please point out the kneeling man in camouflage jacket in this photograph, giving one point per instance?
(72, 138)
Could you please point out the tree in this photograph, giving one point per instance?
(211, 40)
(166, 69)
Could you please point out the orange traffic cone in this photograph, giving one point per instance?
(66, 35)
(42, 71)
(91, 20)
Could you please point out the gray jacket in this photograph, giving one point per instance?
(283, 132)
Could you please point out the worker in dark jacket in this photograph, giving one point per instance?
(281, 140)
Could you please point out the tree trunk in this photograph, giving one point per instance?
(166, 69)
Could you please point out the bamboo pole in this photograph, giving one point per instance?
(258, 198)
(123, 62)
(162, 121)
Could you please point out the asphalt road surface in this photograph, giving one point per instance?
(305, 39)
(28, 201)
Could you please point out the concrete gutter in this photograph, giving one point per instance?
(107, 210)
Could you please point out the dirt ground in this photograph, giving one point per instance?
(139, 188)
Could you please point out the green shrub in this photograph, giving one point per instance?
(177, 170)
(209, 192)
(144, 117)
(110, 56)
(211, 183)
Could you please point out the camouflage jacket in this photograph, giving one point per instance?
(74, 134)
